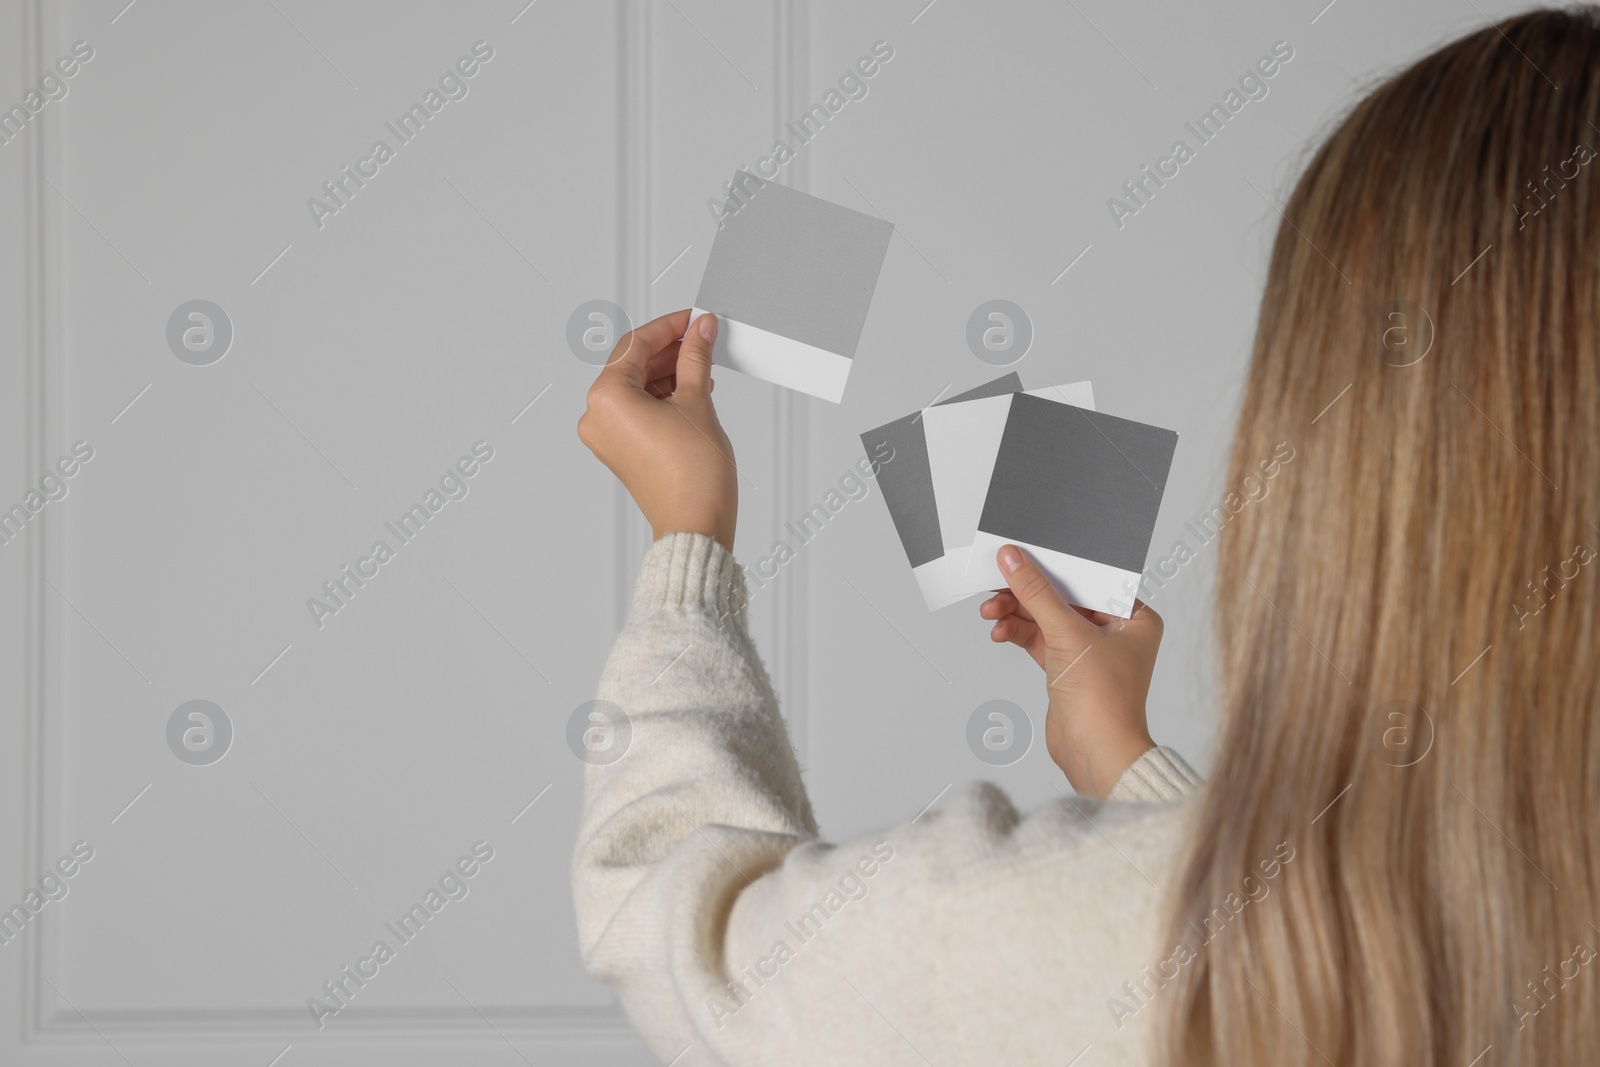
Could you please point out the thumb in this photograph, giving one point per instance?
(1034, 591)
(694, 356)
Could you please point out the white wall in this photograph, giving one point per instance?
(371, 753)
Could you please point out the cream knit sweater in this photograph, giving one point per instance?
(734, 935)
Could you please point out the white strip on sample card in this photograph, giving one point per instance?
(1079, 581)
(775, 358)
(963, 443)
(1079, 490)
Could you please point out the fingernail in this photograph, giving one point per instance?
(708, 327)
(1010, 559)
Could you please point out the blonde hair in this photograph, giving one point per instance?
(1408, 626)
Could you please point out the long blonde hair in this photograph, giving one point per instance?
(1407, 627)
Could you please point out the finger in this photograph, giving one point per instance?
(1019, 610)
(632, 355)
(694, 357)
(1004, 602)
(1035, 594)
(1026, 631)
(1023, 634)
(1141, 610)
(1012, 604)
(1144, 620)
(662, 388)
(663, 363)
(1018, 631)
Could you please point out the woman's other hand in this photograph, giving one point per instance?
(650, 419)
(1097, 672)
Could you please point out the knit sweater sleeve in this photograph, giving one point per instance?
(698, 874)
(695, 795)
(1159, 775)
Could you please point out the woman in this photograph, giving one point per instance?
(1395, 860)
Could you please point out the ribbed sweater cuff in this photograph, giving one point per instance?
(1158, 775)
(691, 572)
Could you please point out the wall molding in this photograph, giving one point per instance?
(40, 32)
(635, 196)
(790, 423)
(47, 1019)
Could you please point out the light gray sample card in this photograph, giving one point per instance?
(906, 480)
(1079, 490)
(790, 279)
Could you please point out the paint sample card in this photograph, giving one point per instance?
(906, 481)
(1079, 490)
(963, 443)
(790, 278)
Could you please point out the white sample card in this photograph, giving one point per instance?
(963, 443)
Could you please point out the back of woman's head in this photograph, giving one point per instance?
(1397, 858)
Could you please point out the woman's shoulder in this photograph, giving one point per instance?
(981, 837)
(1055, 914)
(985, 933)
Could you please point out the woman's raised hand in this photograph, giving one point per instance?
(651, 420)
